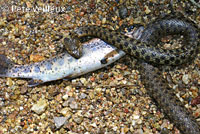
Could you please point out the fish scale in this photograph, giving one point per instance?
(62, 65)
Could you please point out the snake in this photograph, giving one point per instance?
(146, 48)
(149, 55)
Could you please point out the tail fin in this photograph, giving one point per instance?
(5, 64)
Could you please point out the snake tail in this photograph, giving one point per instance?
(159, 90)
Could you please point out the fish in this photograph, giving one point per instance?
(96, 54)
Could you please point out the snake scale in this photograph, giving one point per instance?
(145, 50)
(166, 99)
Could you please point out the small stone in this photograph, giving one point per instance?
(123, 12)
(195, 101)
(59, 121)
(65, 97)
(92, 79)
(9, 82)
(124, 130)
(93, 125)
(2, 23)
(127, 73)
(135, 117)
(66, 112)
(147, 10)
(78, 119)
(138, 131)
(40, 106)
(103, 76)
(139, 121)
(167, 45)
(20, 82)
(68, 17)
(185, 78)
(27, 15)
(91, 94)
(82, 13)
(98, 90)
(197, 113)
(114, 18)
(133, 123)
(83, 80)
(83, 96)
(36, 58)
(73, 105)
(115, 128)
(104, 21)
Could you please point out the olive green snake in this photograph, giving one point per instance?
(146, 50)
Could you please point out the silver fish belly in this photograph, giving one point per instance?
(64, 65)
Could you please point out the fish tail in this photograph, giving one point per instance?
(5, 65)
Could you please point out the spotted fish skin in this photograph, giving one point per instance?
(63, 65)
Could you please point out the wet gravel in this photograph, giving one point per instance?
(110, 100)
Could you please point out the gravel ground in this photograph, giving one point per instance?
(110, 100)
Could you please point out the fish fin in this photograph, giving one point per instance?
(67, 78)
(34, 83)
(5, 64)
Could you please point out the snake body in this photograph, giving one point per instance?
(166, 99)
(144, 49)
(156, 86)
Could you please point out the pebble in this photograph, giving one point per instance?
(197, 113)
(74, 105)
(59, 121)
(105, 101)
(139, 131)
(185, 78)
(196, 101)
(9, 82)
(147, 10)
(83, 81)
(2, 23)
(65, 97)
(66, 112)
(135, 117)
(20, 82)
(36, 58)
(103, 20)
(40, 106)
(78, 119)
(83, 96)
(123, 12)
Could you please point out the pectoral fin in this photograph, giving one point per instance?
(34, 83)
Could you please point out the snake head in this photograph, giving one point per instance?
(73, 47)
(81, 31)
